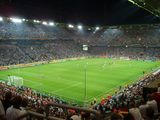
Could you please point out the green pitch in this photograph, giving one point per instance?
(67, 79)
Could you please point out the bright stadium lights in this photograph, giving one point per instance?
(36, 21)
(70, 26)
(89, 29)
(23, 19)
(97, 28)
(1, 19)
(80, 27)
(51, 23)
(44, 23)
(16, 20)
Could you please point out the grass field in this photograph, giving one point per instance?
(67, 79)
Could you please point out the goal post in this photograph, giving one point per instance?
(15, 80)
(85, 47)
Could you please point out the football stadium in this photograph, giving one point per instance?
(53, 70)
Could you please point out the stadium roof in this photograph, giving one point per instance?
(152, 6)
(87, 12)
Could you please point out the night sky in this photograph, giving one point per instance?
(87, 12)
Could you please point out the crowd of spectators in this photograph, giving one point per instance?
(129, 102)
(39, 50)
(15, 101)
(10, 30)
(56, 42)
(129, 35)
(130, 52)
(60, 49)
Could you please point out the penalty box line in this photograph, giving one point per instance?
(74, 85)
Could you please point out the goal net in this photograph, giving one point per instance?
(15, 80)
(85, 47)
(124, 58)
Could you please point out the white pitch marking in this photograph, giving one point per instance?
(67, 87)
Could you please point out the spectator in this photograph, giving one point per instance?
(24, 104)
(158, 89)
(7, 100)
(150, 113)
(14, 111)
(135, 112)
(156, 97)
(75, 117)
(143, 109)
(152, 103)
(2, 112)
(128, 117)
(116, 116)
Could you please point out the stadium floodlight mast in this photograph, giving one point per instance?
(80, 27)
(16, 20)
(1, 19)
(70, 26)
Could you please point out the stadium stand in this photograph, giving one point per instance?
(37, 42)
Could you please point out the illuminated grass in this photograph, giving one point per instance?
(67, 79)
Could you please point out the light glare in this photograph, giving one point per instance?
(1, 19)
(16, 20)
(36, 21)
(44, 23)
(80, 27)
(70, 26)
(51, 24)
(97, 28)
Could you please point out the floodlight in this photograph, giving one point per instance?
(36, 21)
(70, 26)
(44, 23)
(1, 19)
(97, 28)
(16, 20)
(51, 24)
(23, 20)
(80, 27)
